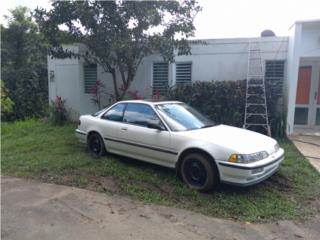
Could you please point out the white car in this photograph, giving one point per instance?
(175, 135)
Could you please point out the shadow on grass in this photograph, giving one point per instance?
(277, 181)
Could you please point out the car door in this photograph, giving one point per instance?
(138, 140)
(109, 125)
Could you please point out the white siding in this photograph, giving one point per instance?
(304, 45)
(221, 59)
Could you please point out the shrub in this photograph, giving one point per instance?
(98, 90)
(57, 112)
(6, 102)
(224, 102)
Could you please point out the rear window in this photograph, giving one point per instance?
(115, 113)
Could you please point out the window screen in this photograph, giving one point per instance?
(160, 78)
(183, 73)
(90, 77)
(274, 76)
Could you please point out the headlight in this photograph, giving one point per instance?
(248, 158)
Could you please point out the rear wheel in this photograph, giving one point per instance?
(96, 145)
(199, 172)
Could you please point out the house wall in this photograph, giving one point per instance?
(304, 43)
(65, 83)
(218, 59)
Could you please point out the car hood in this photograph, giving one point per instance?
(236, 139)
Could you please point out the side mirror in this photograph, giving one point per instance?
(153, 125)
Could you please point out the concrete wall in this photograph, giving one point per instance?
(219, 59)
(226, 59)
(66, 81)
(304, 43)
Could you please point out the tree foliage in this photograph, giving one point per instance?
(24, 65)
(6, 102)
(119, 34)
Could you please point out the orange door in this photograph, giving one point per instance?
(304, 84)
(301, 115)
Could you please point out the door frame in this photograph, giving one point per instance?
(308, 106)
(314, 86)
(315, 92)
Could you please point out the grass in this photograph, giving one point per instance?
(34, 149)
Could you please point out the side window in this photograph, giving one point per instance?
(115, 113)
(140, 114)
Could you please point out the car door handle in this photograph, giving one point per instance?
(124, 128)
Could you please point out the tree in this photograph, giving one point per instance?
(119, 34)
(24, 65)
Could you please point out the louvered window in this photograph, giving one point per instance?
(274, 76)
(160, 78)
(183, 73)
(90, 77)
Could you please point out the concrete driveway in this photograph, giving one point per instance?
(309, 146)
(33, 210)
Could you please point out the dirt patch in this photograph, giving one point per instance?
(279, 182)
(105, 183)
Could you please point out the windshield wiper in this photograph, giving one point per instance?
(208, 125)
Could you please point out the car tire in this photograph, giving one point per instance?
(199, 172)
(96, 145)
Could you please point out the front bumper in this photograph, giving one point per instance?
(252, 173)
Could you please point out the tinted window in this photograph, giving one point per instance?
(115, 113)
(140, 114)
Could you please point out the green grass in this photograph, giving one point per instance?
(34, 149)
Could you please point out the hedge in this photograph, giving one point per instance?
(224, 103)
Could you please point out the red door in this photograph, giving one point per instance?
(301, 116)
(304, 84)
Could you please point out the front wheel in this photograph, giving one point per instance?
(199, 172)
(96, 145)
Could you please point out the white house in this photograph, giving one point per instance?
(294, 60)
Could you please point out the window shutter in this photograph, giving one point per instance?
(90, 77)
(160, 78)
(274, 76)
(183, 73)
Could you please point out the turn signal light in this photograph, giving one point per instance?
(233, 158)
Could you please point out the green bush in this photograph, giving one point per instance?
(224, 102)
(57, 112)
(6, 102)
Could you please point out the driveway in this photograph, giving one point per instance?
(33, 210)
(309, 146)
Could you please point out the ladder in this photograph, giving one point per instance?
(256, 111)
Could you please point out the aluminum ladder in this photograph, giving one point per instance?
(256, 110)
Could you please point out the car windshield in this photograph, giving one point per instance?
(181, 117)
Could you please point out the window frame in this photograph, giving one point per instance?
(112, 107)
(152, 108)
(166, 128)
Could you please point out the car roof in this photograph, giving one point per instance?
(150, 101)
